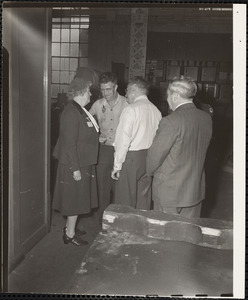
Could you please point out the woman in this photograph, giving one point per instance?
(76, 151)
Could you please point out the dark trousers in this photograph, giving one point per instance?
(133, 187)
(105, 184)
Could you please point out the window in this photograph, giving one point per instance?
(69, 46)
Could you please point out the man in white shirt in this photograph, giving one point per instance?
(134, 135)
(107, 111)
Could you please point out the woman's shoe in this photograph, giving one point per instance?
(74, 240)
(78, 232)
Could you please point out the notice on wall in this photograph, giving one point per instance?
(138, 38)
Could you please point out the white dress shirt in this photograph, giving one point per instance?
(136, 130)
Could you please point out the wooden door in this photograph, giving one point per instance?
(28, 42)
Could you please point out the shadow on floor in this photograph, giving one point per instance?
(48, 267)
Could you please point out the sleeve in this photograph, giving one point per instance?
(123, 137)
(160, 148)
(70, 131)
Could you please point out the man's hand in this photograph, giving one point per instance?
(77, 175)
(115, 174)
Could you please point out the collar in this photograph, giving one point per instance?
(82, 110)
(183, 104)
(144, 97)
(78, 107)
(105, 102)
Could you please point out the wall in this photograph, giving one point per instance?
(173, 33)
(189, 46)
(109, 42)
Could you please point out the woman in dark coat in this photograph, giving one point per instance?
(76, 150)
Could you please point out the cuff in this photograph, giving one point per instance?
(117, 167)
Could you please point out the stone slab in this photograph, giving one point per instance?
(203, 232)
(137, 255)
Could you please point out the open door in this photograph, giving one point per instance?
(27, 39)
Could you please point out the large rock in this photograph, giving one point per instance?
(203, 232)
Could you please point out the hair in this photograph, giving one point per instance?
(108, 77)
(141, 83)
(78, 86)
(184, 86)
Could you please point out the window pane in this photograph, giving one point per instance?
(65, 35)
(69, 42)
(76, 20)
(56, 20)
(66, 20)
(84, 26)
(65, 26)
(55, 90)
(55, 49)
(74, 50)
(75, 35)
(64, 77)
(55, 63)
(64, 63)
(73, 64)
(71, 76)
(56, 26)
(56, 35)
(83, 62)
(84, 19)
(83, 50)
(74, 25)
(55, 76)
(64, 88)
(64, 49)
(83, 37)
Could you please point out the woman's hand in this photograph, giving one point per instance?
(77, 175)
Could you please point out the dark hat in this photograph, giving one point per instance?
(87, 74)
(78, 84)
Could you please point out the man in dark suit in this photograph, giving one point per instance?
(177, 155)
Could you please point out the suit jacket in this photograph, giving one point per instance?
(77, 145)
(177, 155)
